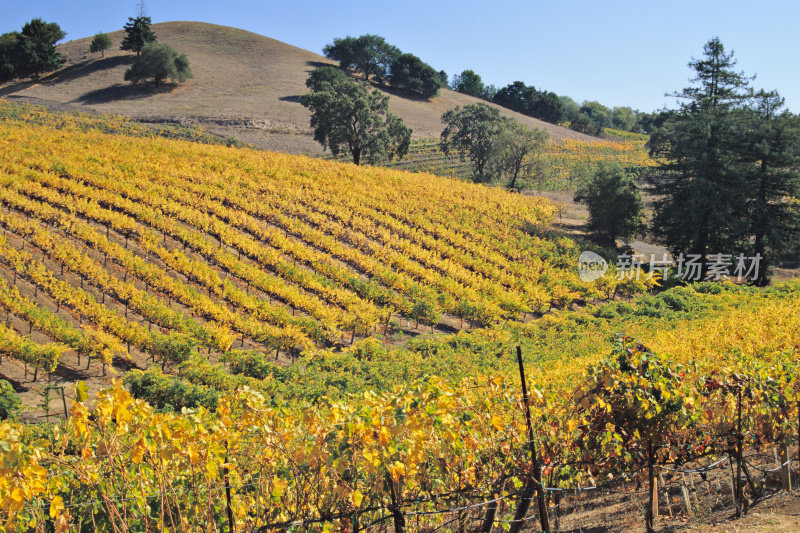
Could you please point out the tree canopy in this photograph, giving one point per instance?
(100, 43)
(409, 73)
(32, 51)
(515, 151)
(325, 73)
(468, 82)
(773, 199)
(349, 116)
(137, 34)
(529, 101)
(471, 131)
(700, 203)
(727, 182)
(616, 208)
(159, 62)
(369, 54)
(8, 56)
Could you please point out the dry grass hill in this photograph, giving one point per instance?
(245, 85)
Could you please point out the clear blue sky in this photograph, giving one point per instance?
(616, 52)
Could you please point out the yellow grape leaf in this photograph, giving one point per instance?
(138, 452)
(357, 498)
(278, 486)
(497, 423)
(56, 506)
(81, 391)
(17, 495)
(396, 470)
(384, 436)
(194, 454)
(211, 468)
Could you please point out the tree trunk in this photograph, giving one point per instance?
(759, 242)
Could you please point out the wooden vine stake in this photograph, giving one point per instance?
(686, 499)
(652, 503)
(665, 490)
(534, 483)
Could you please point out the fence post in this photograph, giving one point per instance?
(522, 508)
(228, 505)
(534, 484)
(64, 401)
(786, 468)
(666, 493)
(685, 490)
(488, 518)
(732, 480)
(653, 491)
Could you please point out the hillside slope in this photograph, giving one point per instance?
(245, 85)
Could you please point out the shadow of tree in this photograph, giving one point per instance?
(400, 93)
(87, 68)
(317, 64)
(120, 91)
(15, 87)
(17, 385)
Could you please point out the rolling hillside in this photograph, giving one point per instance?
(245, 85)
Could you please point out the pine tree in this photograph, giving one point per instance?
(701, 187)
(137, 34)
(37, 48)
(773, 146)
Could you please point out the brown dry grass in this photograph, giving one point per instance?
(245, 85)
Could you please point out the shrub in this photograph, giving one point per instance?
(159, 62)
(616, 208)
(9, 401)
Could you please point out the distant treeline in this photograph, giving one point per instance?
(381, 62)
(589, 117)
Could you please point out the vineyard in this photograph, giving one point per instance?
(557, 164)
(710, 408)
(215, 246)
(321, 347)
